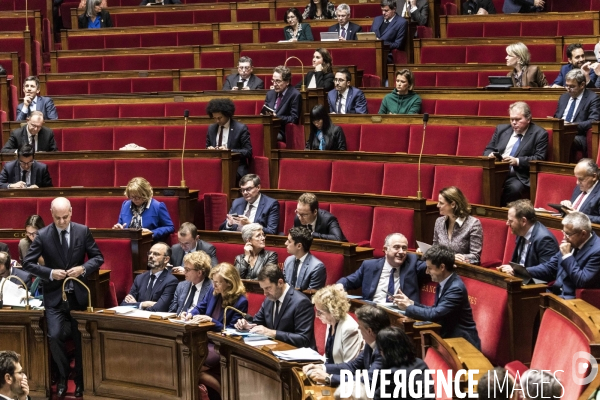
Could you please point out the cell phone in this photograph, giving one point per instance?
(240, 85)
(235, 215)
(421, 323)
(243, 330)
(388, 293)
(497, 155)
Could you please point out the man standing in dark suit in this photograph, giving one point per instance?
(33, 133)
(196, 285)
(522, 6)
(244, 76)
(418, 10)
(189, 241)
(518, 143)
(346, 30)
(25, 172)
(7, 269)
(34, 102)
(579, 105)
(345, 99)
(252, 207)
(64, 246)
(586, 195)
(390, 27)
(577, 264)
(286, 314)
(154, 289)
(322, 224)
(228, 134)
(284, 99)
(535, 244)
(301, 269)
(397, 271)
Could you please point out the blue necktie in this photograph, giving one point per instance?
(391, 283)
(571, 111)
(516, 145)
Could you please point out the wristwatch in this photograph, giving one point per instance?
(328, 380)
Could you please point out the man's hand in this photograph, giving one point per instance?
(201, 318)
(402, 301)
(119, 226)
(18, 185)
(76, 272)
(482, 11)
(144, 230)
(58, 274)
(241, 220)
(318, 375)
(211, 148)
(178, 270)
(33, 187)
(539, 3)
(27, 101)
(507, 269)
(24, 388)
(263, 330)
(461, 258)
(242, 324)
(513, 161)
(147, 304)
(565, 248)
(130, 299)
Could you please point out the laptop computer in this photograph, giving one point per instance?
(499, 82)
(330, 37)
(521, 272)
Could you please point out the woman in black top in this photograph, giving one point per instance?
(324, 135)
(322, 76)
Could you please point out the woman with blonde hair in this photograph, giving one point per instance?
(523, 74)
(141, 211)
(343, 339)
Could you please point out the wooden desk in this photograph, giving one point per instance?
(132, 358)
(303, 388)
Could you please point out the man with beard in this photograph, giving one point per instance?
(13, 381)
(576, 58)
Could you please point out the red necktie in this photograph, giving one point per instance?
(579, 200)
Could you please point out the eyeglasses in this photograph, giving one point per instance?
(154, 253)
(186, 269)
(302, 215)
(34, 234)
(247, 189)
(277, 81)
(319, 312)
(136, 198)
(34, 127)
(339, 80)
(568, 235)
(26, 164)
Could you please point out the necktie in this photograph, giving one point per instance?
(309, 227)
(522, 253)
(279, 95)
(24, 177)
(276, 313)
(344, 33)
(438, 292)
(571, 111)
(243, 82)
(64, 243)
(391, 283)
(295, 273)
(148, 293)
(247, 214)
(221, 137)
(516, 146)
(339, 107)
(579, 200)
(32, 107)
(321, 140)
(190, 299)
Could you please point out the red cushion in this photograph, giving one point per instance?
(494, 108)
(255, 301)
(488, 54)
(456, 78)
(103, 212)
(365, 10)
(384, 138)
(409, 173)
(494, 232)
(542, 53)
(364, 58)
(16, 211)
(88, 173)
(173, 17)
(194, 38)
(460, 30)
(352, 133)
(333, 262)
(96, 111)
(77, 139)
(151, 85)
(67, 87)
(140, 110)
(211, 16)
(210, 181)
(575, 27)
(215, 59)
(79, 64)
(195, 139)
(443, 55)
(540, 28)
(456, 107)
(127, 40)
(425, 78)
(235, 36)
(133, 19)
(110, 86)
(355, 221)
(266, 58)
(316, 174)
(500, 29)
(127, 62)
(439, 139)
(389, 220)
(356, 177)
(215, 208)
(156, 170)
(320, 333)
(435, 362)
(553, 188)
(117, 259)
(172, 204)
(468, 179)
(472, 139)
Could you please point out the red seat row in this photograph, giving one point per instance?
(489, 54)
(465, 79)
(518, 28)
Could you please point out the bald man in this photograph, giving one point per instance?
(64, 246)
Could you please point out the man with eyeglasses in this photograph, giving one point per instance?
(189, 241)
(577, 264)
(25, 172)
(32, 101)
(346, 99)
(7, 269)
(244, 77)
(252, 207)
(579, 106)
(346, 30)
(586, 195)
(321, 223)
(196, 285)
(33, 133)
(284, 100)
(13, 380)
(154, 289)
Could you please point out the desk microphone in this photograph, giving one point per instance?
(186, 115)
(419, 192)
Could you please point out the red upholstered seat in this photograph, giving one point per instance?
(373, 106)
(133, 40)
(494, 108)
(133, 19)
(365, 10)
(53, 171)
(196, 108)
(352, 133)
(456, 107)
(356, 177)
(135, 111)
(489, 54)
(456, 78)
(235, 36)
(209, 181)
(110, 86)
(150, 137)
(320, 333)
(316, 174)
(215, 209)
(287, 213)
(371, 81)
(13, 247)
(575, 27)
(509, 248)
(172, 204)
(408, 174)
(443, 55)
(294, 137)
(78, 204)
(156, 171)
(127, 62)
(540, 28)
(211, 16)
(95, 111)
(216, 59)
(468, 179)
(552, 188)
(472, 140)
(542, 53)
(425, 78)
(435, 361)
(79, 64)
(151, 85)
(439, 139)
(253, 14)
(591, 296)
(191, 38)
(172, 18)
(469, 29)
(16, 211)
(501, 29)
(88, 173)
(266, 58)
(195, 139)
(356, 221)
(260, 167)
(67, 87)
(103, 212)
(450, 9)
(334, 264)
(255, 301)
(198, 83)
(117, 259)
(365, 58)
(542, 108)
(389, 220)
(428, 106)
(384, 138)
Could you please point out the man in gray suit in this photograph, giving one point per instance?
(196, 285)
(189, 241)
(302, 270)
(245, 77)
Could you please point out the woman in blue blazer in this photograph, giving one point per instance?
(141, 211)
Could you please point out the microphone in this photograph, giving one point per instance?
(186, 115)
(243, 314)
(249, 318)
(26, 19)
(302, 86)
(419, 192)
(64, 293)
(27, 306)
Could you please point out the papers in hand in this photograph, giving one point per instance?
(423, 246)
(302, 354)
(14, 295)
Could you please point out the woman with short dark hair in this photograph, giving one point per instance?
(296, 31)
(324, 135)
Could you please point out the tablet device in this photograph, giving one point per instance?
(521, 272)
(366, 36)
(330, 37)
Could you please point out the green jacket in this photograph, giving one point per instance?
(395, 103)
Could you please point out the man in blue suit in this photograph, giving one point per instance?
(346, 30)
(396, 271)
(32, 101)
(390, 27)
(577, 264)
(535, 244)
(370, 321)
(576, 59)
(154, 289)
(302, 270)
(196, 285)
(586, 195)
(284, 99)
(286, 314)
(522, 6)
(452, 309)
(345, 99)
(25, 172)
(252, 207)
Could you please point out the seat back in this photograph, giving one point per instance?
(353, 177)
(316, 174)
(494, 232)
(552, 188)
(468, 179)
(387, 220)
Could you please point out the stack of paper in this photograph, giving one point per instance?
(13, 294)
(302, 354)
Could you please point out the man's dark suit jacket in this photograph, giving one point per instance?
(44, 104)
(294, 323)
(12, 174)
(518, 6)
(369, 359)
(267, 214)
(162, 292)
(356, 103)
(238, 142)
(289, 107)
(533, 147)
(326, 227)
(395, 33)
(591, 205)
(367, 277)
(419, 382)
(579, 271)
(18, 138)
(26, 276)
(47, 245)
(181, 293)
(452, 311)
(312, 272)
(254, 82)
(541, 249)
(587, 111)
(564, 70)
(421, 14)
(201, 245)
(351, 32)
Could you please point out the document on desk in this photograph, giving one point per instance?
(13, 294)
(122, 309)
(301, 354)
(182, 321)
(257, 343)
